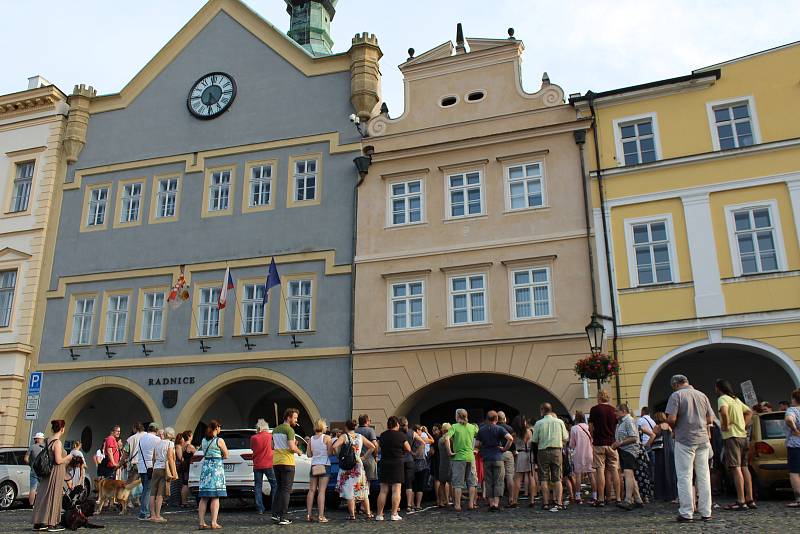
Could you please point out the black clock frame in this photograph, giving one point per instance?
(227, 106)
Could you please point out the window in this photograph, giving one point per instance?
(167, 198)
(116, 320)
(98, 202)
(406, 202)
(219, 193)
(733, 125)
(8, 280)
(464, 194)
(260, 186)
(755, 235)
(407, 306)
(131, 202)
(638, 142)
(305, 180)
(651, 252)
(208, 312)
(299, 302)
(525, 186)
(253, 309)
(82, 319)
(152, 316)
(531, 293)
(468, 299)
(23, 180)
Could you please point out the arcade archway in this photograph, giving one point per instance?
(477, 393)
(772, 373)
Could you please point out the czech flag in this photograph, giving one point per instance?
(227, 285)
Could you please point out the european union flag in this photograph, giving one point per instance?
(272, 280)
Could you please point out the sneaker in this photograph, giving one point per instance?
(143, 518)
(379, 518)
(39, 527)
(57, 528)
(275, 518)
(396, 517)
(285, 521)
(554, 508)
(683, 519)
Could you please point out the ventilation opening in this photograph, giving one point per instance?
(475, 96)
(448, 101)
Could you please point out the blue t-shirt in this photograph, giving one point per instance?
(493, 439)
(791, 439)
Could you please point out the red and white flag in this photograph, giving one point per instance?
(179, 292)
(227, 285)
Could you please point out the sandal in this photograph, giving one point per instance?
(736, 506)
(369, 517)
(351, 518)
(752, 505)
(323, 519)
(202, 527)
(309, 519)
(795, 504)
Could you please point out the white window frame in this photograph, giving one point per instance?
(22, 187)
(513, 294)
(299, 299)
(216, 190)
(125, 212)
(207, 310)
(303, 177)
(525, 180)
(391, 197)
(468, 292)
(254, 303)
(712, 123)
(165, 195)
(151, 311)
(261, 180)
(116, 318)
(407, 298)
(8, 292)
(93, 209)
(84, 317)
(447, 191)
(630, 247)
(625, 121)
(775, 217)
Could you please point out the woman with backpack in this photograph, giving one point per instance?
(51, 468)
(352, 484)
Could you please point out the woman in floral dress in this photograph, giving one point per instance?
(212, 474)
(352, 485)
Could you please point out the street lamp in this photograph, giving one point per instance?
(595, 332)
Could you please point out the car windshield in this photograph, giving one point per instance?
(237, 439)
(772, 426)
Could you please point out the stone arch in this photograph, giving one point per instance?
(68, 407)
(758, 347)
(198, 403)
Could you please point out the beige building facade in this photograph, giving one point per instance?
(32, 124)
(472, 269)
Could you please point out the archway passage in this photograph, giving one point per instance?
(241, 404)
(736, 363)
(477, 393)
(96, 413)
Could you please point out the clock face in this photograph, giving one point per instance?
(211, 95)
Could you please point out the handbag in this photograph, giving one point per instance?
(318, 470)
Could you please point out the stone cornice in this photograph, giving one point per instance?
(30, 101)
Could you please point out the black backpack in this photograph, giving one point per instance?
(347, 456)
(42, 465)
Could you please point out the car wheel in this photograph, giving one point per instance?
(8, 494)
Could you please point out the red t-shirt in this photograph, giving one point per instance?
(261, 443)
(111, 443)
(603, 418)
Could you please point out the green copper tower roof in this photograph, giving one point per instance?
(310, 24)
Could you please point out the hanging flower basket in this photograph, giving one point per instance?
(598, 367)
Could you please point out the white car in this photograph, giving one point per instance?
(15, 481)
(239, 465)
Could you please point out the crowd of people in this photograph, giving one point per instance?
(548, 460)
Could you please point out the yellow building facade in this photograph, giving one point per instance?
(696, 195)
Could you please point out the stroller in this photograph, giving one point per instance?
(77, 508)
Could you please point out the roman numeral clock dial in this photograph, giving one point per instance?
(211, 95)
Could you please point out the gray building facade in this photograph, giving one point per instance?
(231, 147)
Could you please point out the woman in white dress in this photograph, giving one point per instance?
(352, 484)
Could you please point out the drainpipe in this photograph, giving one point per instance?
(611, 288)
(580, 140)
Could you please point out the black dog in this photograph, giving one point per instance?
(77, 510)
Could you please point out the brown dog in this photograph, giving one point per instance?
(114, 490)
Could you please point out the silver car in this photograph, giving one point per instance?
(14, 476)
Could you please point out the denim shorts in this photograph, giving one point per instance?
(34, 480)
(794, 459)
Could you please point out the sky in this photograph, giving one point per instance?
(582, 45)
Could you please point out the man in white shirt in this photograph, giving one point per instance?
(646, 425)
(147, 444)
(133, 451)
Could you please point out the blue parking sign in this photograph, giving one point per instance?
(35, 383)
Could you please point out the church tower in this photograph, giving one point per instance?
(311, 23)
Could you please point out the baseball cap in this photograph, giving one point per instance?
(38, 435)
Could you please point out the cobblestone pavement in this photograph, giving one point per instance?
(772, 516)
